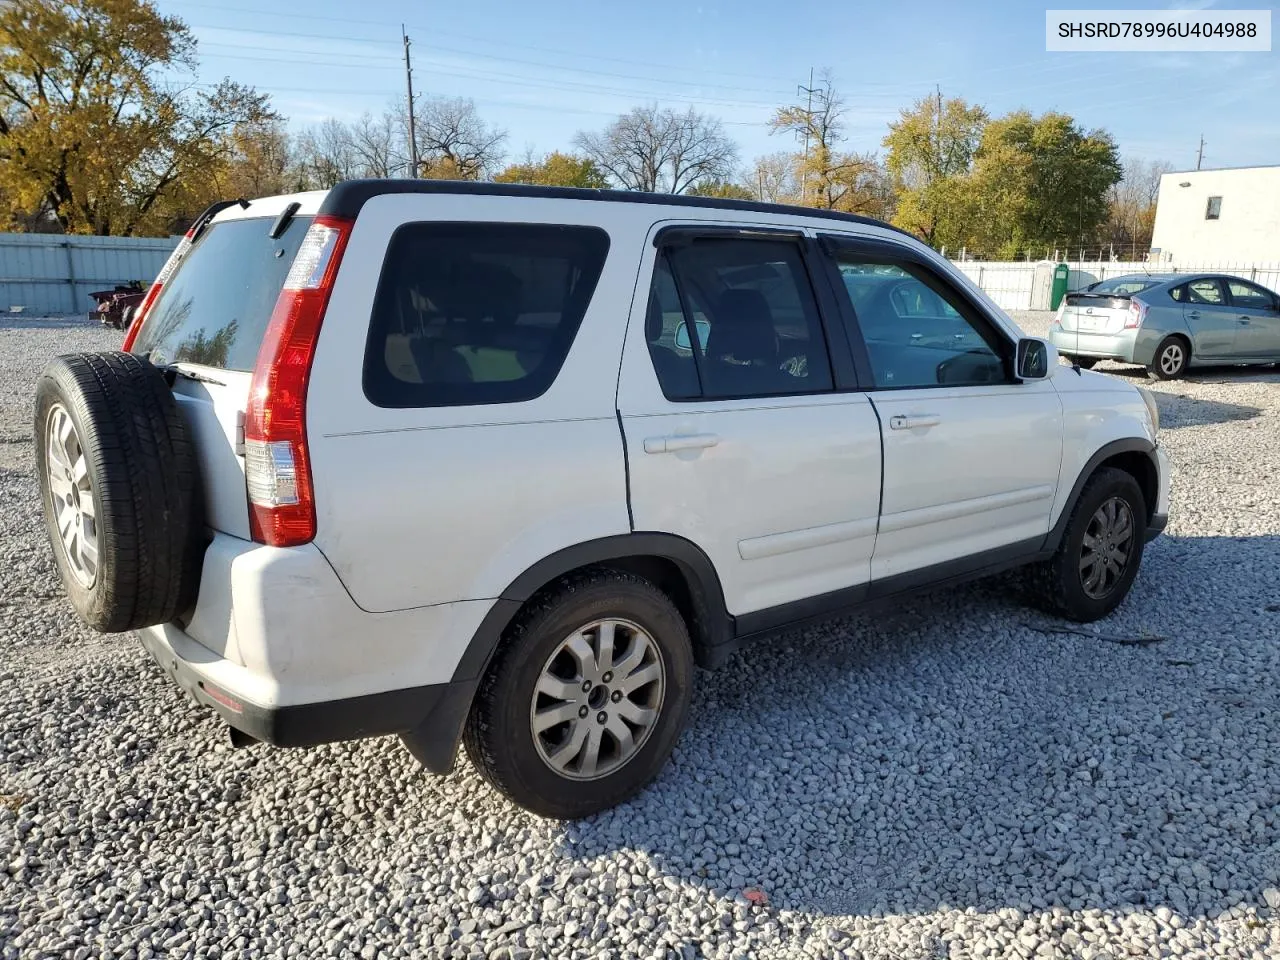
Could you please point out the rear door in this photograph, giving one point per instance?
(1258, 317)
(208, 321)
(743, 434)
(1209, 316)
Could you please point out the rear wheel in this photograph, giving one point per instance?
(118, 484)
(1094, 566)
(586, 698)
(1171, 359)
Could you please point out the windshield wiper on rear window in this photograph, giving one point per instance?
(172, 371)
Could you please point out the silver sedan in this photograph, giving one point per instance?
(1169, 322)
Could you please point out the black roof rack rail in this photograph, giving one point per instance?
(347, 198)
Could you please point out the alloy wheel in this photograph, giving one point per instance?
(71, 493)
(597, 699)
(1107, 547)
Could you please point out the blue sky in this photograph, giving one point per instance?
(544, 70)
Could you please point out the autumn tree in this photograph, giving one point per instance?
(722, 189)
(94, 132)
(261, 162)
(454, 143)
(556, 170)
(930, 155)
(830, 176)
(661, 150)
(1131, 205)
(1041, 181)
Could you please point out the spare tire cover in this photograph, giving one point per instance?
(118, 483)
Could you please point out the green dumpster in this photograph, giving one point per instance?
(1059, 289)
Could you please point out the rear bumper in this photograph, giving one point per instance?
(279, 650)
(300, 724)
(1104, 346)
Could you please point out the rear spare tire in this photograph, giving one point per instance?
(118, 483)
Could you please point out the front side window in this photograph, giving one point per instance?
(1250, 297)
(1213, 209)
(735, 318)
(918, 331)
(470, 313)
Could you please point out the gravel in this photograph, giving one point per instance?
(953, 780)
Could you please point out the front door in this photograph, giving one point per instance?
(1258, 320)
(737, 436)
(971, 457)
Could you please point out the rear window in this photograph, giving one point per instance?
(470, 313)
(214, 310)
(1122, 287)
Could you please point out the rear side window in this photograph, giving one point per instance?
(470, 313)
(214, 310)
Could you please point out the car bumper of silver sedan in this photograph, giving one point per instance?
(1103, 346)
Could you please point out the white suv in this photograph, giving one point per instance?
(500, 464)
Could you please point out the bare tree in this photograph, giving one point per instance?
(652, 150)
(773, 177)
(454, 142)
(375, 144)
(1132, 204)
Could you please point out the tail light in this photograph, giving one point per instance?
(162, 277)
(282, 509)
(1137, 313)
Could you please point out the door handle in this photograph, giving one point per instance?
(910, 421)
(1244, 319)
(1194, 314)
(688, 441)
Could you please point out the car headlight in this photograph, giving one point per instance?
(1149, 399)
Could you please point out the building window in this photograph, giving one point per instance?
(1213, 209)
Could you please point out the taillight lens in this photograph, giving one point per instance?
(162, 277)
(1137, 313)
(282, 509)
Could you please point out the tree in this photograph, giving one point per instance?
(556, 170)
(454, 143)
(1041, 181)
(774, 177)
(830, 178)
(930, 155)
(261, 161)
(1131, 205)
(92, 133)
(660, 150)
(722, 189)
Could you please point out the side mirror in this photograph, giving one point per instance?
(682, 335)
(1036, 359)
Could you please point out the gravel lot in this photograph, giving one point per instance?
(958, 780)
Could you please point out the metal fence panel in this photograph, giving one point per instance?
(47, 274)
(1011, 284)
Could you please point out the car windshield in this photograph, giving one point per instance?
(1123, 286)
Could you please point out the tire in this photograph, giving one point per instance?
(1170, 359)
(1061, 584)
(109, 436)
(500, 737)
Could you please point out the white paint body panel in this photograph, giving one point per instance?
(983, 477)
(276, 627)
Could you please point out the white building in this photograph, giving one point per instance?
(1215, 216)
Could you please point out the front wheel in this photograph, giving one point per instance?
(586, 698)
(1094, 566)
(1171, 359)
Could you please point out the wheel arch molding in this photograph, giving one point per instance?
(1136, 456)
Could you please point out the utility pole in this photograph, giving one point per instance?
(808, 117)
(938, 131)
(1200, 152)
(408, 80)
